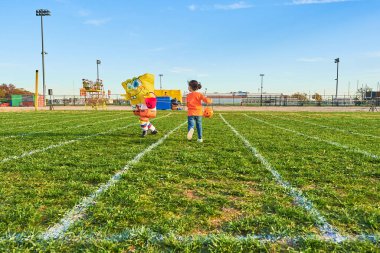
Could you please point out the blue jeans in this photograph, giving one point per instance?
(191, 120)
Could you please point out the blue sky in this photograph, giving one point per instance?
(224, 44)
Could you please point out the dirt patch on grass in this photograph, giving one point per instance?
(308, 187)
(191, 194)
(228, 214)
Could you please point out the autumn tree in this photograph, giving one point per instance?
(317, 97)
(300, 96)
(6, 90)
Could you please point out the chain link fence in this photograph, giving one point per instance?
(218, 99)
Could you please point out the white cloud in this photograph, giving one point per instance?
(133, 34)
(97, 22)
(300, 2)
(233, 6)
(157, 49)
(9, 65)
(179, 70)
(226, 7)
(373, 54)
(314, 59)
(193, 7)
(84, 13)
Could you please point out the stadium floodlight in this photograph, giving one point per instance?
(337, 80)
(41, 13)
(160, 75)
(261, 95)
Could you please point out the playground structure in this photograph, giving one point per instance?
(168, 99)
(94, 93)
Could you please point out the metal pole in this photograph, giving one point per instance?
(337, 80)
(97, 71)
(261, 95)
(161, 75)
(36, 93)
(43, 61)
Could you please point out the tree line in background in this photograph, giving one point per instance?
(359, 95)
(6, 90)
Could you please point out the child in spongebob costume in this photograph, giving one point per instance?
(140, 91)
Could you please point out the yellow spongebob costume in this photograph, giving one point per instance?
(140, 92)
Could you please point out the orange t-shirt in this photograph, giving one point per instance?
(194, 103)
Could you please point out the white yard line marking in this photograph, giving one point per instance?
(14, 119)
(345, 116)
(328, 230)
(54, 129)
(329, 127)
(53, 121)
(336, 144)
(60, 144)
(151, 236)
(79, 210)
(37, 118)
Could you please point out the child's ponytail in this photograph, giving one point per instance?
(195, 85)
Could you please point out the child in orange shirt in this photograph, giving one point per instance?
(194, 109)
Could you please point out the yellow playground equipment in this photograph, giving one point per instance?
(93, 93)
(177, 94)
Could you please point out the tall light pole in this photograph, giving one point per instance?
(337, 79)
(42, 13)
(97, 70)
(161, 75)
(261, 96)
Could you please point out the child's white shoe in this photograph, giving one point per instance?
(200, 140)
(190, 134)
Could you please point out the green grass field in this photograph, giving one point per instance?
(260, 181)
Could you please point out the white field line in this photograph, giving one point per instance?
(16, 120)
(338, 114)
(159, 238)
(328, 230)
(70, 127)
(154, 237)
(336, 144)
(50, 123)
(329, 127)
(60, 144)
(40, 118)
(79, 210)
(18, 123)
(54, 121)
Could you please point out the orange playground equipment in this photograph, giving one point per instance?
(93, 93)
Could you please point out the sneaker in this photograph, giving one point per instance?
(200, 140)
(155, 131)
(190, 134)
(144, 133)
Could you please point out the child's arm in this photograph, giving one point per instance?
(206, 99)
